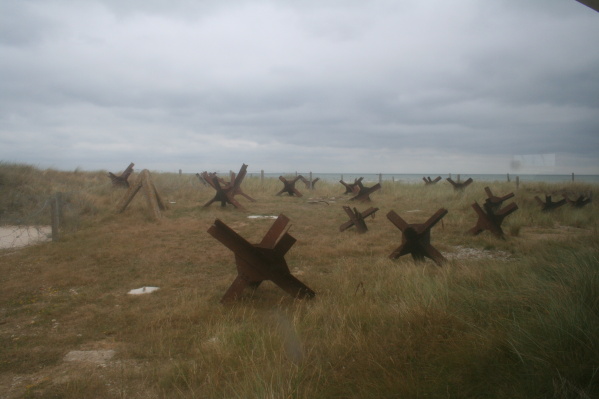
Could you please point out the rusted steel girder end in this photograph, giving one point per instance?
(264, 261)
(416, 238)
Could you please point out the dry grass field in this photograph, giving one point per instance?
(513, 318)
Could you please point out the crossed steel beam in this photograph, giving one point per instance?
(310, 185)
(578, 202)
(289, 186)
(416, 238)
(122, 179)
(259, 262)
(352, 188)
(364, 192)
(357, 219)
(226, 191)
(548, 205)
(494, 202)
(458, 186)
(492, 216)
(428, 181)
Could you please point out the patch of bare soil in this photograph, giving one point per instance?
(93, 359)
(462, 252)
(99, 357)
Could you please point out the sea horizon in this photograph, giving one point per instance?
(418, 177)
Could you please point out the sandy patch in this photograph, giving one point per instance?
(21, 236)
(475, 253)
(96, 357)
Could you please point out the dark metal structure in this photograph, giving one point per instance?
(548, 205)
(289, 186)
(226, 191)
(492, 216)
(122, 179)
(428, 181)
(310, 185)
(352, 188)
(259, 262)
(363, 194)
(578, 202)
(357, 219)
(459, 186)
(416, 238)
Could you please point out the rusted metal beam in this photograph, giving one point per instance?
(310, 185)
(352, 188)
(289, 186)
(364, 193)
(224, 194)
(357, 219)
(416, 238)
(548, 205)
(264, 261)
(491, 220)
(493, 202)
(428, 181)
(459, 186)
(202, 179)
(578, 202)
(226, 191)
(237, 180)
(122, 179)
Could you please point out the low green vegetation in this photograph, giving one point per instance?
(513, 318)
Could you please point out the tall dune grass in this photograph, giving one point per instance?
(521, 325)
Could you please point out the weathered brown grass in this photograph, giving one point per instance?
(512, 318)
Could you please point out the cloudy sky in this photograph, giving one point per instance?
(414, 86)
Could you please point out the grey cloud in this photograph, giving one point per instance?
(486, 78)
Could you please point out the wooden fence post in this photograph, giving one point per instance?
(262, 176)
(56, 212)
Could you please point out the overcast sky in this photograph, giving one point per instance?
(415, 86)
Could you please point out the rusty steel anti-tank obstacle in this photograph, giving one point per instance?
(289, 186)
(310, 184)
(352, 188)
(154, 201)
(121, 180)
(459, 186)
(548, 205)
(493, 215)
(363, 194)
(416, 238)
(259, 262)
(579, 202)
(357, 219)
(226, 191)
(429, 182)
